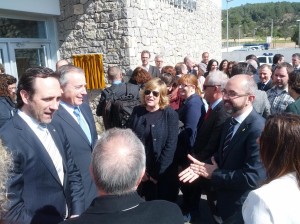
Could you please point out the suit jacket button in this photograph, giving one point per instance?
(153, 125)
(154, 139)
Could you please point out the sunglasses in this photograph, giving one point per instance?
(206, 86)
(148, 92)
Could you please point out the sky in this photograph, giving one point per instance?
(235, 3)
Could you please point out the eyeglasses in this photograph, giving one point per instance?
(184, 85)
(206, 86)
(233, 95)
(148, 92)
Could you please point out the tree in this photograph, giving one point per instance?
(296, 36)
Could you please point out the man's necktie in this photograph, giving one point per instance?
(53, 152)
(208, 113)
(84, 126)
(228, 137)
(262, 86)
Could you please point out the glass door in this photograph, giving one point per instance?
(27, 55)
(4, 58)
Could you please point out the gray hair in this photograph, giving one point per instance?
(118, 161)
(64, 70)
(188, 58)
(158, 56)
(217, 78)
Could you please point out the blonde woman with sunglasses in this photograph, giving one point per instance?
(156, 125)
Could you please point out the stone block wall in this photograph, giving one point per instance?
(121, 29)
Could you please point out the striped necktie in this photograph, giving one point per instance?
(53, 152)
(228, 137)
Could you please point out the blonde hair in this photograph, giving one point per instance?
(6, 164)
(156, 83)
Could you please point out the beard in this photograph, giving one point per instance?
(232, 108)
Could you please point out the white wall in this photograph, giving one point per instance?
(50, 7)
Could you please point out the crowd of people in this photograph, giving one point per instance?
(228, 130)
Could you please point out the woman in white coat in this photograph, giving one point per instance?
(278, 200)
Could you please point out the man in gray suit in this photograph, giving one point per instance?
(145, 56)
(74, 119)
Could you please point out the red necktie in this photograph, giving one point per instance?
(208, 113)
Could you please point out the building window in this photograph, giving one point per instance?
(17, 28)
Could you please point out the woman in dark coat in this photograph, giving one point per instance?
(156, 125)
(7, 97)
(191, 114)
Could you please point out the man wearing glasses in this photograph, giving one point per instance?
(235, 168)
(159, 61)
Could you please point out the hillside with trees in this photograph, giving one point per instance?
(255, 21)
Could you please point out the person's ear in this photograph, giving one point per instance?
(140, 178)
(25, 96)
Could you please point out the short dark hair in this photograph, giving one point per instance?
(296, 55)
(252, 56)
(168, 78)
(276, 58)
(26, 81)
(146, 52)
(294, 81)
(289, 68)
(243, 68)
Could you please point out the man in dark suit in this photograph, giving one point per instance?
(265, 73)
(208, 136)
(72, 81)
(45, 185)
(236, 167)
(118, 166)
(154, 71)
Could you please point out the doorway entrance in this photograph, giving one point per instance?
(19, 56)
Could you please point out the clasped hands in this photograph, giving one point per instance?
(197, 169)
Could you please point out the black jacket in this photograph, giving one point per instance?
(131, 209)
(164, 134)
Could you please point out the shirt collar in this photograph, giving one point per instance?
(33, 124)
(243, 116)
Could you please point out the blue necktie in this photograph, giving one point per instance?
(84, 126)
(228, 137)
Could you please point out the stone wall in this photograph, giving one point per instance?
(121, 29)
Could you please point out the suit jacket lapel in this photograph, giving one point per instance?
(34, 142)
(70, 120)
